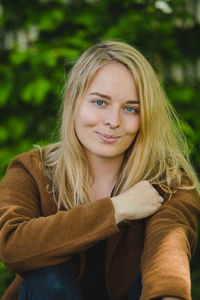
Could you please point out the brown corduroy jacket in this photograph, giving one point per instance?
(34, 235)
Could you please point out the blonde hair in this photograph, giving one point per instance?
(159, 153)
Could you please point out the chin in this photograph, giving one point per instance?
(108, 155)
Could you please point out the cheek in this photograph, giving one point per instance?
(87, 117)
(132, 126)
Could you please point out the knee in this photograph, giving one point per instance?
(55, 282)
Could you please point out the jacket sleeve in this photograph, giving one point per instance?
(170, 240)
(29, 240)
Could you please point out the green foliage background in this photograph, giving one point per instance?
(39, 42)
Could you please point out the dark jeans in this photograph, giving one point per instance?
(58, 282)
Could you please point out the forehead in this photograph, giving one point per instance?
(113, 78)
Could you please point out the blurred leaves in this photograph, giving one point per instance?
(35, 92)
(40, 40)
(5, 277)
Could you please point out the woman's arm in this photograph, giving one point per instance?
(30, 240)
(170, 240)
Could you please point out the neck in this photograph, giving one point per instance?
(105, 172)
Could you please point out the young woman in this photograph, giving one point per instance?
(111, 210)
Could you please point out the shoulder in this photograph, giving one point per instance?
(28, 160)
(25, 167)
(179, 189)
(24, 173)
(186, 191)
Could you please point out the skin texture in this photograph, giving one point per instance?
(140, 201)
(110, 115)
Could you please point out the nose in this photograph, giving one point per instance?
(112, 118)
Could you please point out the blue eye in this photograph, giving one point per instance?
(99, 102)
(129, 109)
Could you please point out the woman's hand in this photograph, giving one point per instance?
(140, 201)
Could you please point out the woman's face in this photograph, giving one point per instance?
(108, 118)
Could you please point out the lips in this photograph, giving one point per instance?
(107, 138)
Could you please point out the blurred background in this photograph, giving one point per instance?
(41, 39)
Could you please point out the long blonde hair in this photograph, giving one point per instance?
(159, 153)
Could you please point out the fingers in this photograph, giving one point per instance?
(161, 200)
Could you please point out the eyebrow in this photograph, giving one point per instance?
(109, 98)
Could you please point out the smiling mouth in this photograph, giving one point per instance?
(106, 138)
